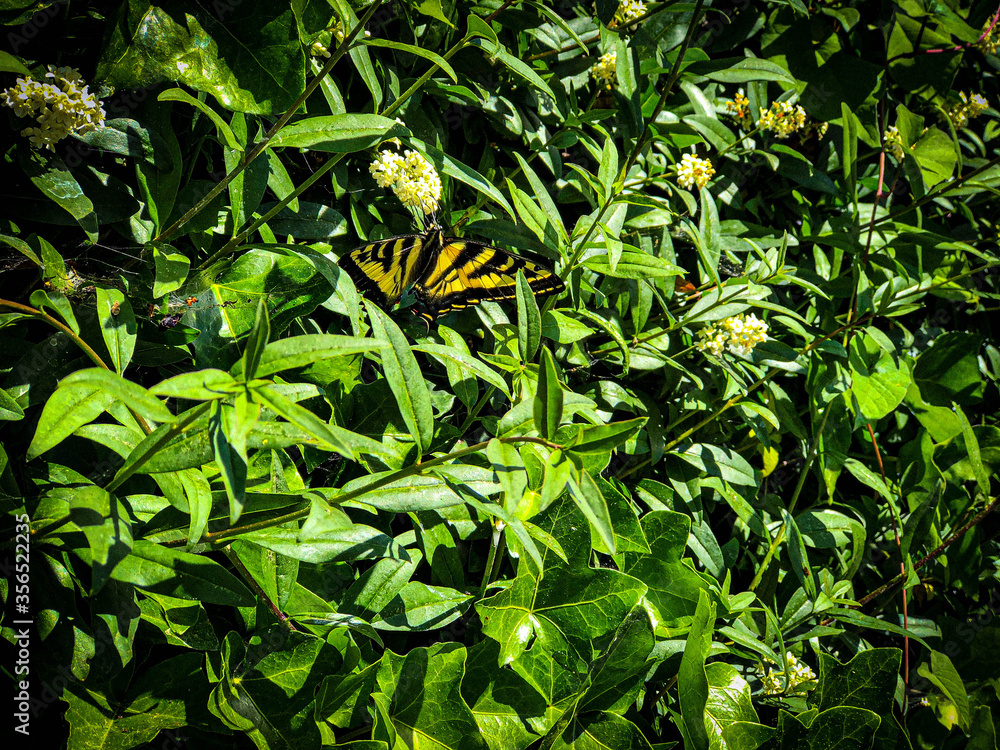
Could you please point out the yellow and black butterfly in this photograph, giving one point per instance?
(445, 273)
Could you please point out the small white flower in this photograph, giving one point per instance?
(62, 106)
(605, 68)
(894, 142)
(693, 171)
(628, 11)
(971, 106)
(783, 119)
(797, 673)
(412, 178)
(739, 334)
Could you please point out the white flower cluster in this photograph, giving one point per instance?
(798, 673)
(739, 334)
(61, 106)
(412, 178)
(990, 42)
(971, 106)
(604, 69)
(894, 142)
(783, 119)
(628, 11)
(693, 171)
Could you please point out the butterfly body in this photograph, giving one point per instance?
(445, 273)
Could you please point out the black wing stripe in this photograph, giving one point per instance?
(469, 272)
(446, 274)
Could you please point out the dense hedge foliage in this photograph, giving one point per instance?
(731, 489)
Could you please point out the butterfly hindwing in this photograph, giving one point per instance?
(383, 270)
(467, 272)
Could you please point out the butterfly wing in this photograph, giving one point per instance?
(466, 273)
(383, 270)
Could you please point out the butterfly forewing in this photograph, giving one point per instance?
(468, 272)
(446, 274)
(383, 270)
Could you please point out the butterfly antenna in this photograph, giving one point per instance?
(430, 221)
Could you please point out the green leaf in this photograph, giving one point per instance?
(415, 493)
(339, 134)
(628, 532)
(633, 265)
(462, 360)
(222, 128)
(54, 179)
(342, 700)
(200, 385)
(510, 471)
(606, 437)
(507, 709)
(563, 329)
(945, 677)
(674, 588)
(849, 160)
(598, 731)
(433, 9)
(10, 64)
(229, 452)
(975, 456)
(322, 518)
(171, 694)
(10, 410)
(936, 157)
(692, 680)
(424, 689)
(300, 351)
(955, 461)
(199, 495)
(549, 211)
(879, 378)
(514, 64)
(457, 359)
(405, 379)
(340, 620)
(728, 703)
(420, 607)
(377, 587)
(420, 51)
(137, 398)
(590, 500)
(163, 570)
(105, 525)
(57, 302)
(949, 370)
(741, 70)
(359, 542)
(529, 321)
(459, 171)
(560, 612)
(798, 557)
(868, 680)
(548, 403)
(844, 727)
(607, 172)
(256, 341)
(250, 60)
(271, 695)
(69, 408)
(118, 327)
(617, 675)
